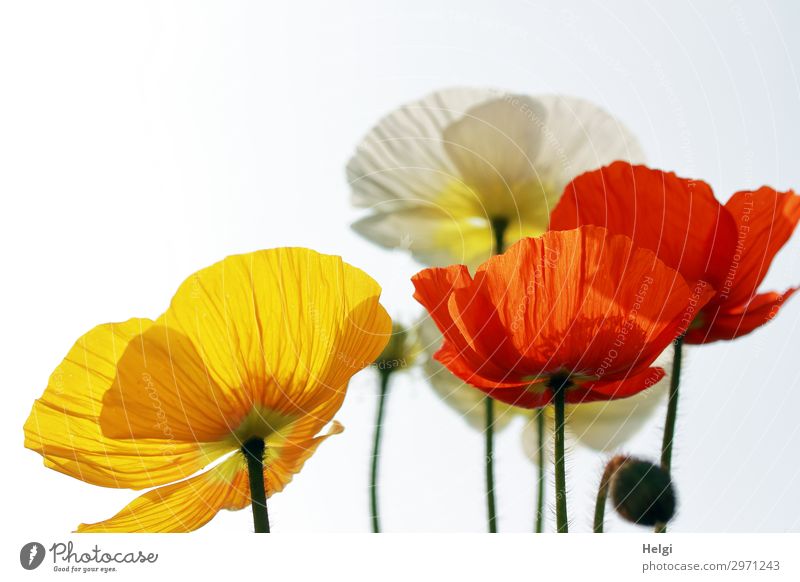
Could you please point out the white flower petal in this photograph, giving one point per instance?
(530, 436)
(604, 426)
(403, 156)
(579, 136)
(494, 146)
(432, 235)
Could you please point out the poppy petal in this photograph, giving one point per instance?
(480, 325)
(765, 220)
(464, 399)
(494, 146)
(64, 424)
(478, 372)
(187, 505)
(721, 324)
(531, 395)
(587, 302)
(433, 289)
(286, 453)
(677, 218)
(629, 386)
(267, 338)
(435, 235)
(403, 157)
(605, 425)
(183, 506)
(580, 136)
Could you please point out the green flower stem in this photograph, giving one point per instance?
(499, 226)
(376, 444)
(672, 415)
(489, 434)
(559, 387)
(602, 495)
(541, 478)
(254, 453)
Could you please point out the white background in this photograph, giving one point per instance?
(141, 141)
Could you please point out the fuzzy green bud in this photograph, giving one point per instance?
(641, 491)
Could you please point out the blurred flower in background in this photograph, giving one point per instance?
(435, 173)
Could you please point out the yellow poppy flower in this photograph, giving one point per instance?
(257, 348)
(436, 173)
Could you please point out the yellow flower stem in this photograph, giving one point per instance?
(384, 374)
(498, 226)
(541, 479)
(672, 415)
(559, 386)
(254, 453)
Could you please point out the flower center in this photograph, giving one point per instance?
(261, 423)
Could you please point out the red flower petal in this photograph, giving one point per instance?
(720, 324)
(677, 218)
(765, 219)
(629, 386)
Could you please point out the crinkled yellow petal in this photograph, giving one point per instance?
(163, 388)
(286, 453)
(183, 506)
(190, 504)
(64, 424)
(251, 344)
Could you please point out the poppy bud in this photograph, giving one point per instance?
(399, 352)
(641, 491)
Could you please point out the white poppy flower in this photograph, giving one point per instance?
(434, 173)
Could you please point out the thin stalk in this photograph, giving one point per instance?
(562, 525)
(672, 415)
(499, 226)
(559, 386)
(489, 434)
(541, 476)
(376, 445)
(602, 492)
(254, 453)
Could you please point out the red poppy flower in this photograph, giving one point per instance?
(731, 246)
(582, 309)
